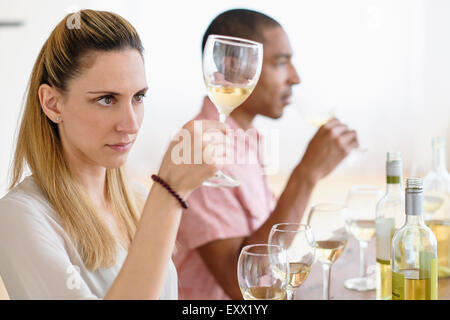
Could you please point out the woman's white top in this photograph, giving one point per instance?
(38, 259)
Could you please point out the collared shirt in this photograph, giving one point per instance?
(217, 213)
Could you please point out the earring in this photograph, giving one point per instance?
(58, 119)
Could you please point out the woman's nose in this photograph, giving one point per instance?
(129, 119)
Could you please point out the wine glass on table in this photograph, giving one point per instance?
(298, 241)
(231, 69)
(360, 214)
(263, 272)
(327, 221)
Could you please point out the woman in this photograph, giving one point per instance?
(75, 229)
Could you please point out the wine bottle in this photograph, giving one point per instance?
(436, 187)
(389, 217)
(414, 251)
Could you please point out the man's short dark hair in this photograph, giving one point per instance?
(241, 23)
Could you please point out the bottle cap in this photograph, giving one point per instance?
(414, 184)
(414, 196)
(394, 166)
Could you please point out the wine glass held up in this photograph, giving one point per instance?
(327, 221)
(298, 241)
(231, 70)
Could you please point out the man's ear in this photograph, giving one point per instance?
(49, 98)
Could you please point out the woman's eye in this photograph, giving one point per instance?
(106, 101)
(139, 97)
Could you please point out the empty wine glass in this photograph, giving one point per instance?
(263, 272)
(327, 221)
(298, 241)
(231, 69)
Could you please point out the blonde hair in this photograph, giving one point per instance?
(39, 146)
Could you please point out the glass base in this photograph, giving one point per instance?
(359, 284)
(221, 180)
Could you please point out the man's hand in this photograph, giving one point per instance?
(331, 144)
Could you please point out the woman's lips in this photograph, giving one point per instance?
(120, 147)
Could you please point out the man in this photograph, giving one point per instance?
(221, 221)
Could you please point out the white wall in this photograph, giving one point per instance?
(383, 63)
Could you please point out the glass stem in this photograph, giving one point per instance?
(326, 280)
(362, 258)
(222, 117)
(290, 294)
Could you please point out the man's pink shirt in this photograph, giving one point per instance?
(220, 213)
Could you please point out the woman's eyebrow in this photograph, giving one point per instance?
(143, 90)
(112, 93)
(105, 92)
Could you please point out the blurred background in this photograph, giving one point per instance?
(381, 64)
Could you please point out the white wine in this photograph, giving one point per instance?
(384, 280)
(228, 98)
(318, 121)
(264, 293)
(389, 217)
(414, 251)
(441, 229)
(414, 286)
(363, 230)
(432, 204)
(329, 251)
(298, 272)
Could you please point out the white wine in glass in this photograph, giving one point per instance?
(298, 241)
(226, 99)
(328, 251)
(263, 272)
(231, 70)
(361, 214)
(327, 221)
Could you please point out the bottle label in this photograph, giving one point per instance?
(393, 179)
(385, 228)
(398, 286)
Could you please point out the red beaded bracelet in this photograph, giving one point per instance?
(172, 192)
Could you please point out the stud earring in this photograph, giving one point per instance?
(58, 119)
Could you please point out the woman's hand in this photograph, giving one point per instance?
(195, 154)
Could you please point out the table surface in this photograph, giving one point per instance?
(347, 266)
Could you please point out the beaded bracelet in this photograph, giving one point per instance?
(172, 192)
